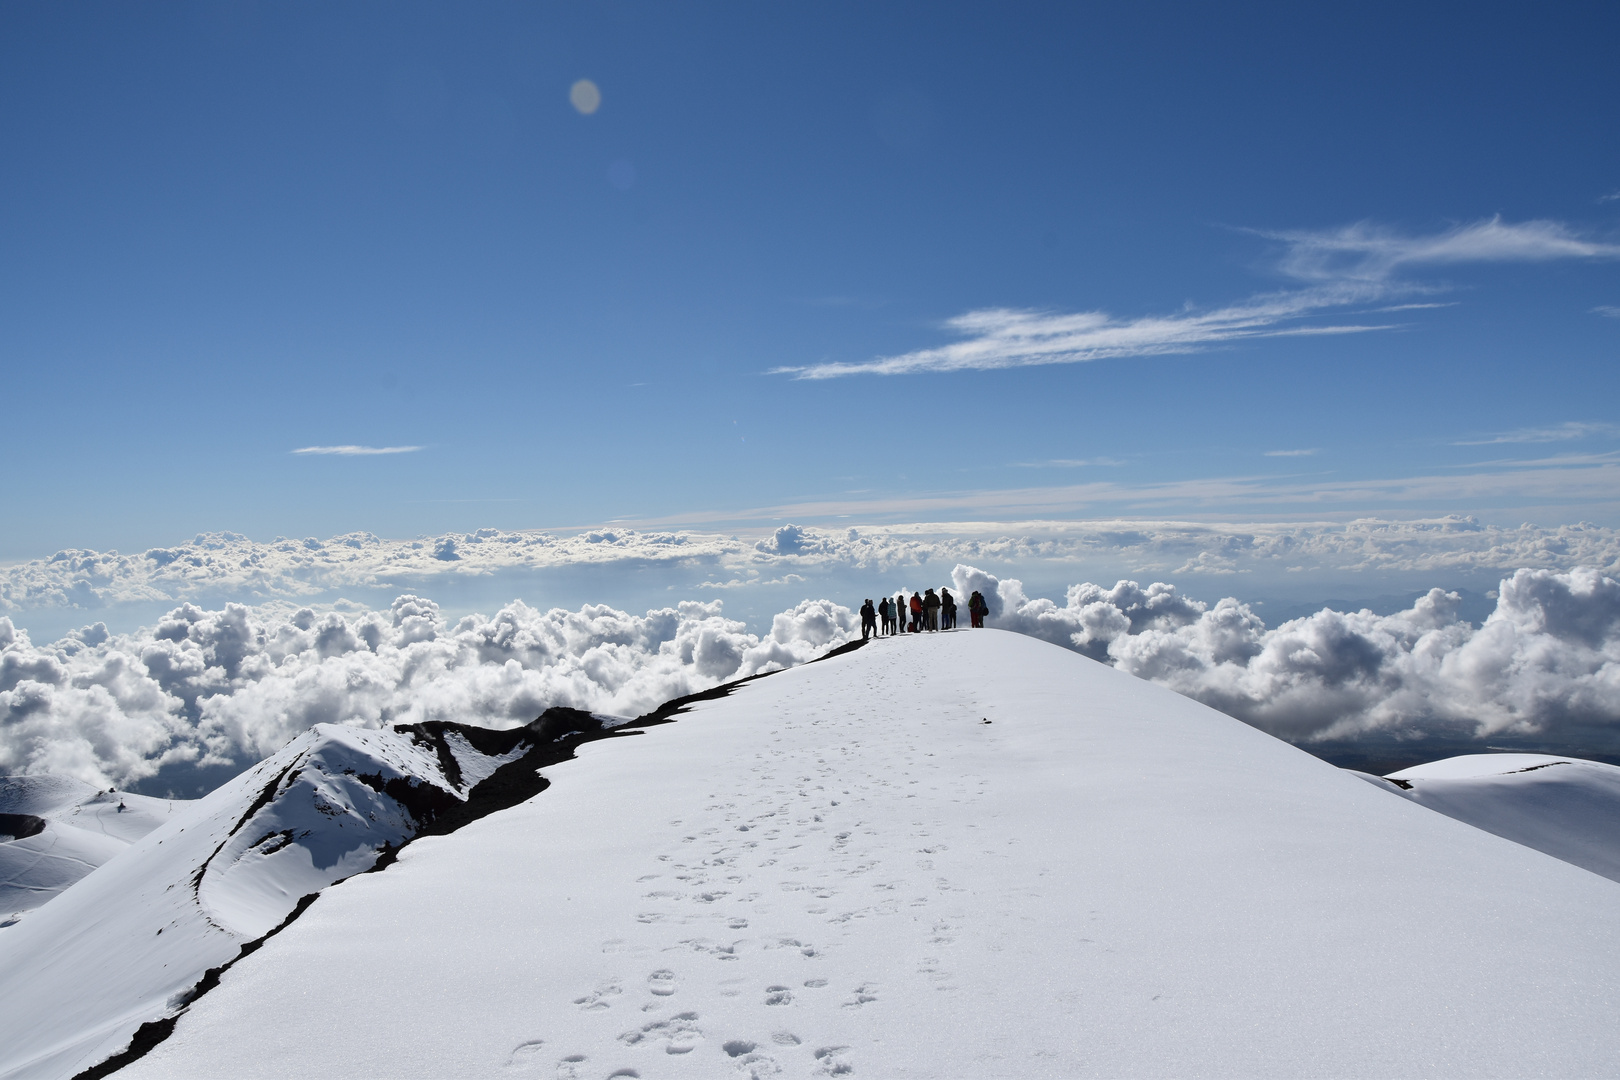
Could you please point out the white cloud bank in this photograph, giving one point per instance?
(228, 565)
(230, 686)
(1351, 265)
(208, 688)
(1546, 662)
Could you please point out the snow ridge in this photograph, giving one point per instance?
(228, 873)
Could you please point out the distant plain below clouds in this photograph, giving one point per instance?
(1351, 266)
(232, 566)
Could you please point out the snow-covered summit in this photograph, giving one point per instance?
(968, 854)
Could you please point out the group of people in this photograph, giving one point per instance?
(928, 611)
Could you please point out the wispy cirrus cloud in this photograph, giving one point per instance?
(1067, 463)
(1610, 310)
(1371, 253)
(1352, 265)
(1565, 432)
(1007, 338)
(350, 450)
(1293, 453)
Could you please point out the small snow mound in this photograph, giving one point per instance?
(1469, 766)
(1565, 807)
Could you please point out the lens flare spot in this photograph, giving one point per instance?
(585, 97)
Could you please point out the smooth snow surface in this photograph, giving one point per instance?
(842, 869)
(83, 828)
(1566, 807)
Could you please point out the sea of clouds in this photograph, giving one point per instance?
(227, 687)
(229, 565)
(215, 688)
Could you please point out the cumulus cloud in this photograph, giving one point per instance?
(228, 686)
(1353, 264)
(1546, 662)
(351, 450)
(217, 565)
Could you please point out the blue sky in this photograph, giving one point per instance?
(231, 232)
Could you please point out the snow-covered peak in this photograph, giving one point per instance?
(962, 855)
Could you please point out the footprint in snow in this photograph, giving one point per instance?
(758, 1067)
(831, 1061)
(600, 998)
(778, 995)
(661, 983)
(525, 1054)
(863, 993)
(568, 1067)
(680, 1033)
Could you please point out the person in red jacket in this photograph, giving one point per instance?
(916, 613)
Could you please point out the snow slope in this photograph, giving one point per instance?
(129, 944)
(56, 830)
(961, 855)
(1566, 807)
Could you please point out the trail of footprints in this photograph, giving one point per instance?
(757, 841)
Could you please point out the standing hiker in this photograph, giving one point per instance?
(916, 613)
(947, 610)
(976, 610)
(930, 610)
(868, 619)
(885, 617)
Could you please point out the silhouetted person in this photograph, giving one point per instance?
(930, 610)
(885, 620)
(868, 620)
(916, 613)
(977, 609)
(947, 610)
